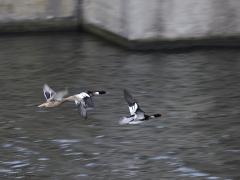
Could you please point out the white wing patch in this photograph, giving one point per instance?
(133, 108)
(79, 97)
(82, 95)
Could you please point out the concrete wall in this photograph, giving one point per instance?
(109, 15)
(126, 21)
(36, 15)
(164, 19)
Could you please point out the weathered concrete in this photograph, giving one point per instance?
(38, 15)
(132, 23)
(164, 21)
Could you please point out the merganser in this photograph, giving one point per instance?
(53, 98)
(84, 101)
(137, 115)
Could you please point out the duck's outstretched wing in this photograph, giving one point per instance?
(85, 105)
(84, 98)
(59, 95)
(88, 103)
(133, 106)
(48, 92)
(82, 109)
(129, 98)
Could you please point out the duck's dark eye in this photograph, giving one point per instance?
(48, 95)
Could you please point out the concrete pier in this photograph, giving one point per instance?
(132, 23)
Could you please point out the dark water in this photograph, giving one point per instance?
(196, 91)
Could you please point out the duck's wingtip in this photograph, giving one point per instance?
(125, 91)
(129, 98)
(45, 85)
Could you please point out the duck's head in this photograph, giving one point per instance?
(157, 115)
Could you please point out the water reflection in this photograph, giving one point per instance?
(197, 92)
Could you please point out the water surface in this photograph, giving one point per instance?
(196, 91)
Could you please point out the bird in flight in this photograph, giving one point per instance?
(84, 101)
(137, 115)
(53, 98)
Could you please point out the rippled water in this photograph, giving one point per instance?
(196, 91)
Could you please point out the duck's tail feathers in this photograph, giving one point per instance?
(99, 92)
(155, 116)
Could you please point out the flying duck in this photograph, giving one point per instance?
(137, 115)
(84, 101)
(53, 98)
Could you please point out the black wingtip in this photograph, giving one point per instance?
(125, 92)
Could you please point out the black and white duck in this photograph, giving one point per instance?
(84, 101)
(137, 115)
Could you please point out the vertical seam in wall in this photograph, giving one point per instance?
(79, 12)
(128, 17)
(125, 16)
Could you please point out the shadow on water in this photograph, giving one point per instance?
(196, 91)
